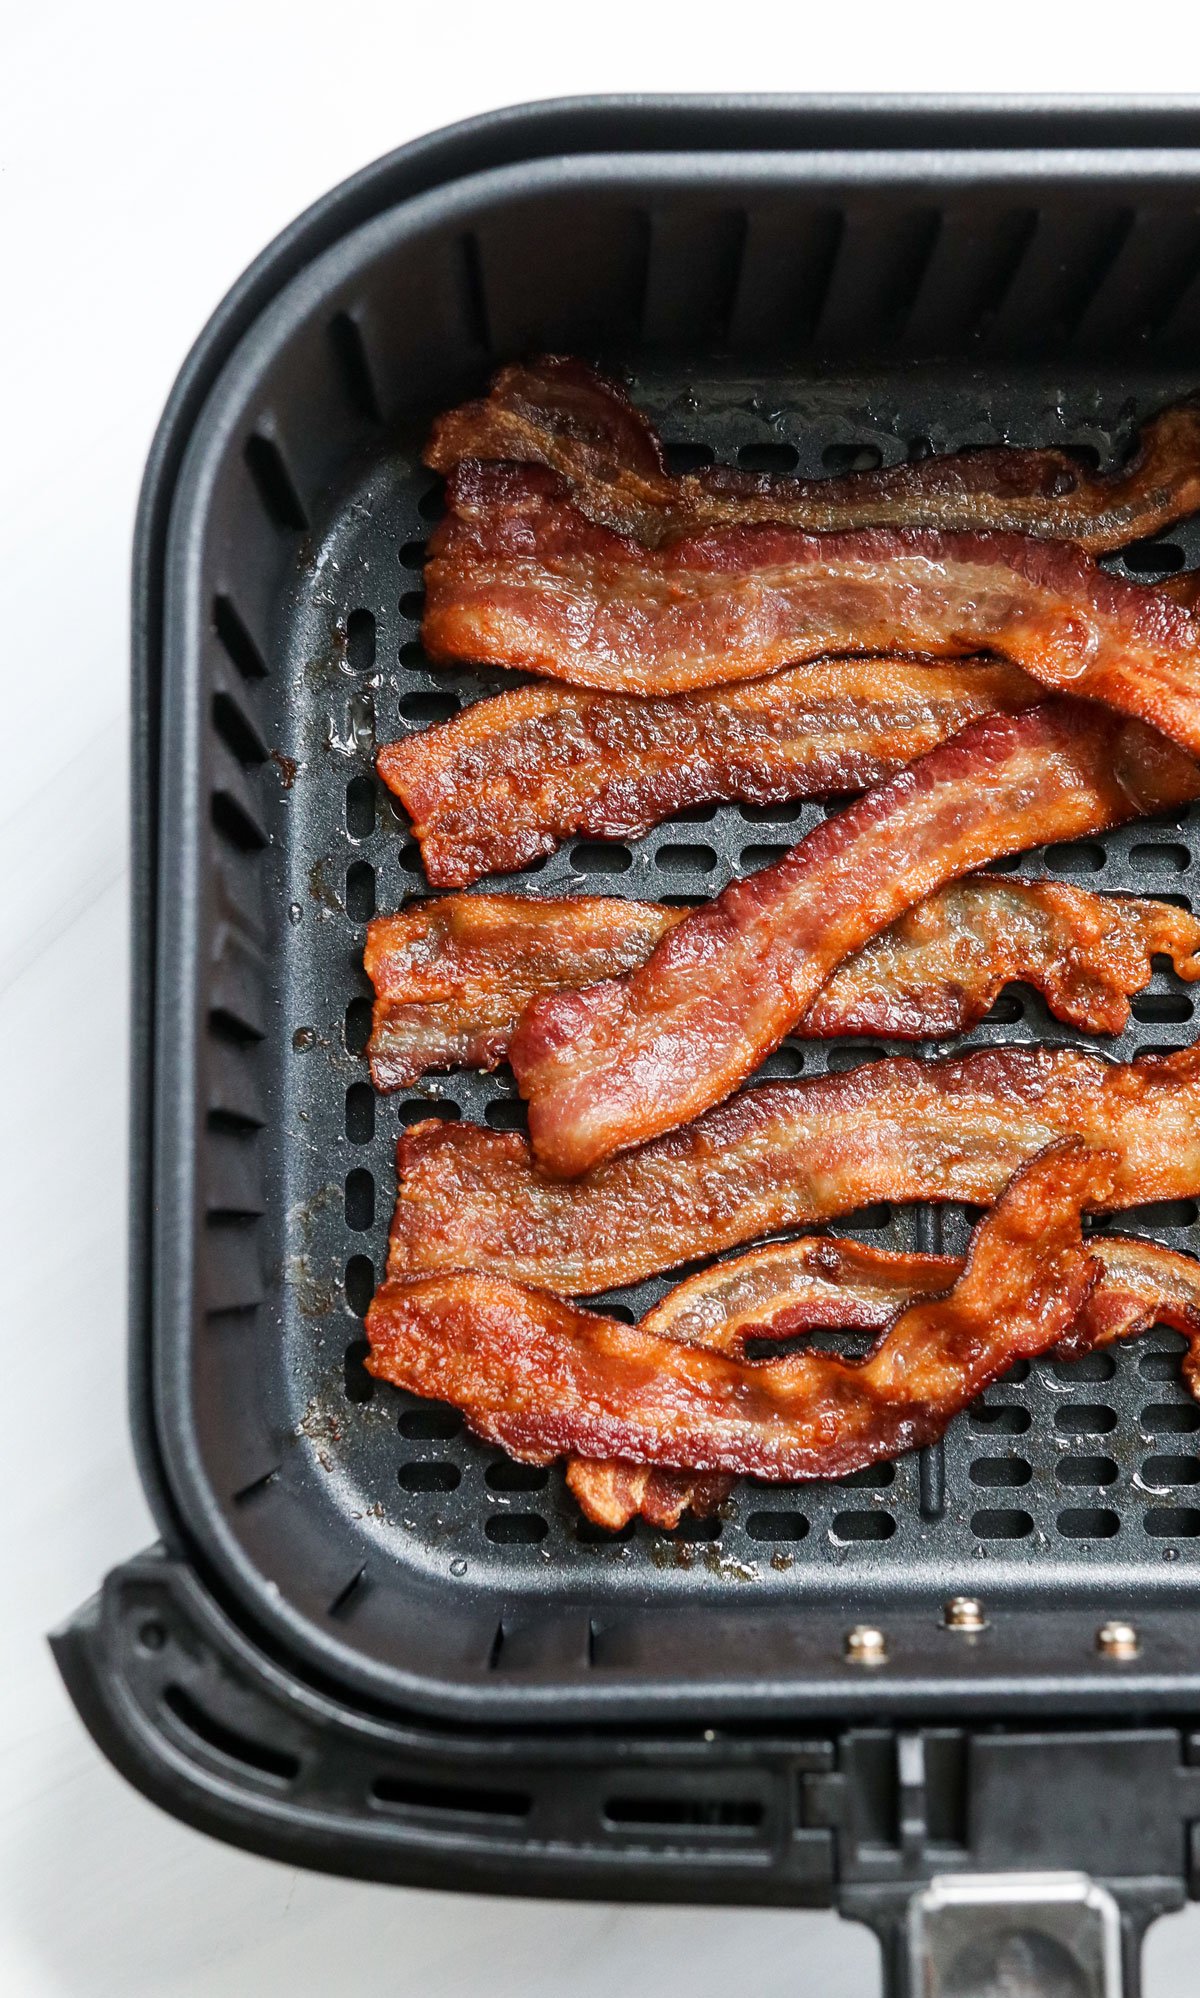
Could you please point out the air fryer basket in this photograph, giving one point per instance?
(781, 285)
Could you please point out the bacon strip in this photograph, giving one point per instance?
(517, 577)
(623, 1060)
(541, 1377)
(790, 1155)
(453, 977)
(786, 1288)
(512, 777)
(562, 414)
(791, 1287)
(611, 1491)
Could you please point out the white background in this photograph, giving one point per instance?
(147, 152)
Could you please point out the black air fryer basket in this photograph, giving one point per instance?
(368, 1642)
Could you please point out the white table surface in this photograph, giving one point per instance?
(147, 152)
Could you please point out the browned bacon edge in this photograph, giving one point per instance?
(623, 1060)
(562, 414)
(542, 1378)
(789, 1155)
(511, 777)
(517, 577)
(792, 1287)
(453, 977)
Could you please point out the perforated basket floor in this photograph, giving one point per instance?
(1083, 1473)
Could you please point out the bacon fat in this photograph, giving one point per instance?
(790, 1155)
(452, 977)
(564, 415)
(623, 1060)
(512, 777)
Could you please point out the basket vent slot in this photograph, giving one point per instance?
(473, 293)
(450, 1799)
(360, 641)
(234, 823)
(658, 1812)
(235, 636)
(516, 1529)
(350, 355)
(276, 488)
(265, 1760)
(1092, 1471)
(429, 1476)
(1001, 1523)
(237, 731)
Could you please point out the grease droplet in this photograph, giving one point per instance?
(458, 1567)
(295, 912)
(304, 1037)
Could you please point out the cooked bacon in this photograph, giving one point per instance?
(786, 1288)
(608, 1067)
(941, 966)
(517, 577)
(453, 977)
(512, 777)
(611, 1491)
(1142, 1284)
(542, 1378)
(1184, 589)
(789, 1155)
(792, 1287)
(562, 414)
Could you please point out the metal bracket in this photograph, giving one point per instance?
(1039, 1935)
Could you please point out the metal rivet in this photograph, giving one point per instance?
(964, 1613)
(865, 1646)
(1118, 1640)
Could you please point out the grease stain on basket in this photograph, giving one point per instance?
(316, 1297)
(320, 1424)
(727, 1568)
(322, 891)
(287, 767)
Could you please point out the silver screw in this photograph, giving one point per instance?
(1118, 1640)
(865, 1646)
(964, 1613)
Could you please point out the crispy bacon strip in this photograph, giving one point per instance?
(517, 577)
(453, 977)
(789, 1155)
(541, 1377)
(786, 1288)
(623, 1060)
(562, 414)
(791, 1287)
(1183, 589)
(611, 1491)
(512, 777)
